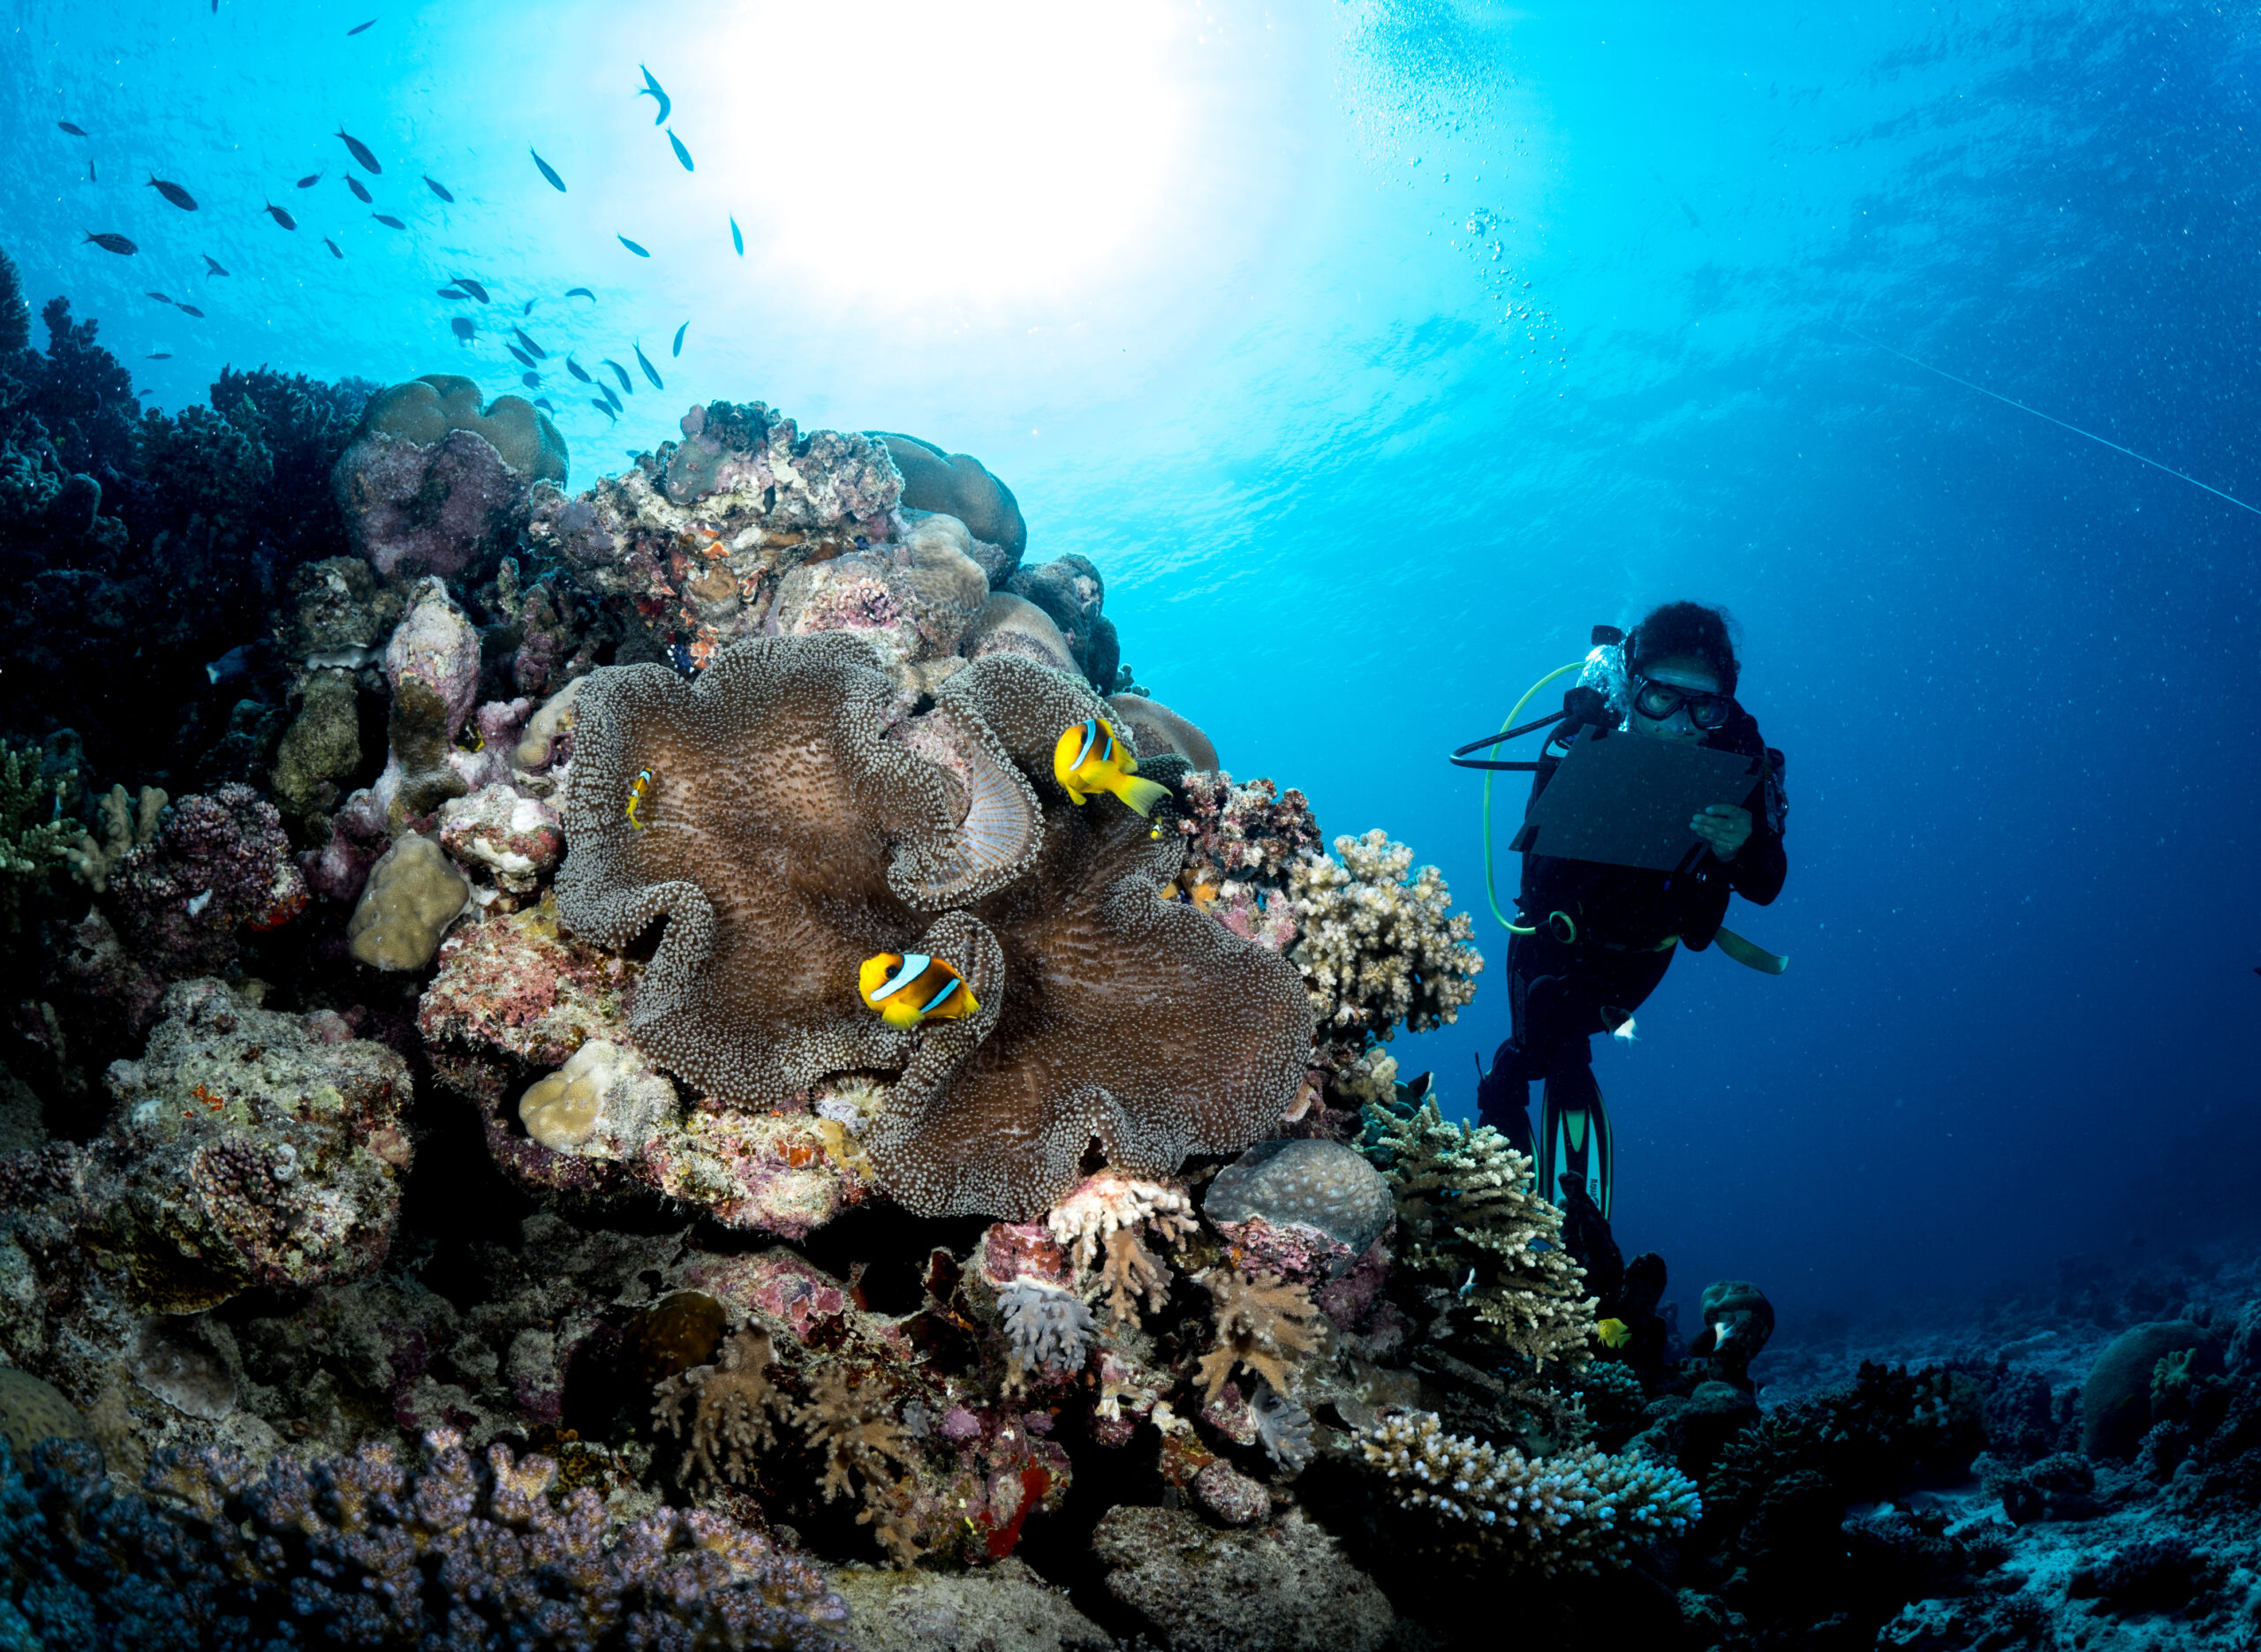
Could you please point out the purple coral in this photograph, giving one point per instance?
(221, 865)
(362, 1550)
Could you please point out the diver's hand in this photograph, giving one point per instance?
(1725, 826)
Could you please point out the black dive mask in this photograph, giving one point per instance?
(1657, 701)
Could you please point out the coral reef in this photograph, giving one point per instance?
(1378, 951)
(1271, 1588)
(365, 1551)
(433, 484)
(844, 863)
(1578, 1512)
(1472, 1221)
(958, 484)
(33, 838)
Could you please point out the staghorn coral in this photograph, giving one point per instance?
(728, 1412)
(1378, 951)
(1577, 1512)
(475, 1553)
(1471, 1220)
(1261, 1324)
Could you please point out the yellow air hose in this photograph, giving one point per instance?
(1491, 887)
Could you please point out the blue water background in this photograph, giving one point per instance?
(1354, 482)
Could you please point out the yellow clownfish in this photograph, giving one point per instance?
(637, 792)
(1089, 760)
(907, 988)
(1615, 1333)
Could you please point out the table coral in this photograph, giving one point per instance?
(1379, 951)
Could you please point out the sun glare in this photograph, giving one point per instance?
(988, 154)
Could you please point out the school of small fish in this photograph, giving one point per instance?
(525, 350)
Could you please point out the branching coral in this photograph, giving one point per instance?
(33, 833)
(1262, 1325)
(729, 1410)
(1377, 950)
(1575, 1513)
(1045, 1328)
(364, 1551)
(854, 1426)
(1101, 1218)
(1466, 1205)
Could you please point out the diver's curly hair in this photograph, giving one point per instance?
(1686, 628)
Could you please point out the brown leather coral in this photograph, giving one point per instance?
(779, 835)
(783, 837)
(1125, 1019)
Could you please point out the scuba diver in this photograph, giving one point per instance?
(1594, 939)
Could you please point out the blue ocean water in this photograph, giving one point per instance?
(1375, 352)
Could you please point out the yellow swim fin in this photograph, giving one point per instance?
(1752, 956)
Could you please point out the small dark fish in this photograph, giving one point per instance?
(162, 355)
(91, 176)
(112, 243)
(360, 150)
(547, 171)
(542, 402)
(540, 354)
(235, 666)
(580, 292)
(679, 332)
(606, 409)
(333, 247)
(361, 190)
(158, 297)
(737, 239)
(626, 383)
(577, 371)
(76, 132)
(358, 27)
(651, 90)
(681, 153)
(449, 292)
(281, 217)
(528, 309)
(310, 180)
(438, 188)
(212, 265)
(524, 360)
(613, 397)
(473, 288)
(389, 221)
(174, 193)
(531, 380)
(645, 362)
(631, 246)
(189, 309)
(463, 329)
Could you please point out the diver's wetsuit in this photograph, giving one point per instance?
(1558, 991)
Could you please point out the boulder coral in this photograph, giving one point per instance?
(959, 484)
(1106, 1016)
(432, 482)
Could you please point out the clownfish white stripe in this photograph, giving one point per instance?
(914, 965)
